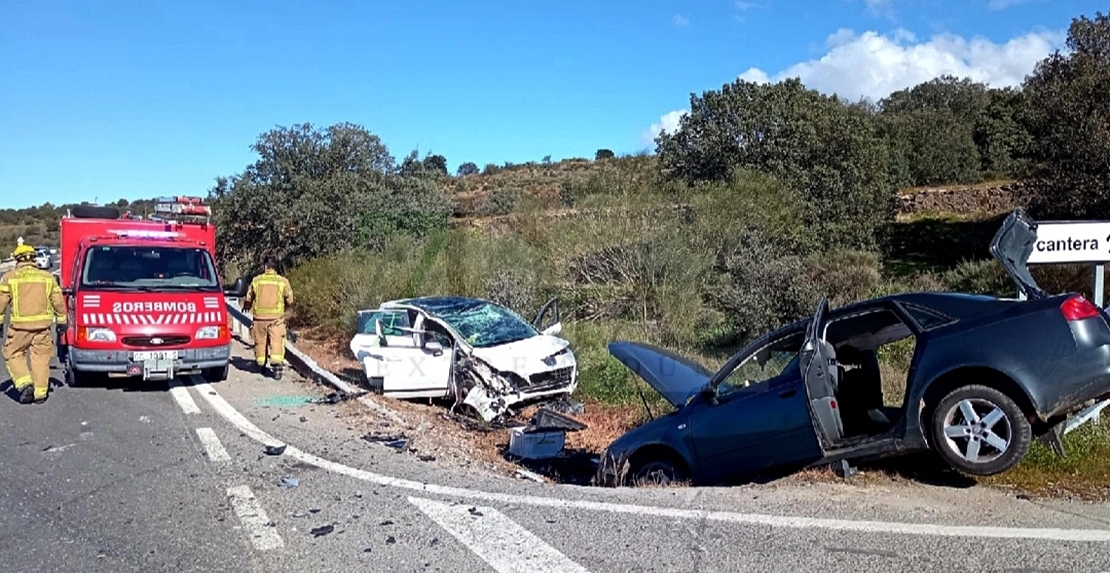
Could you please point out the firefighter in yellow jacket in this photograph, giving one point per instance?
(268, 296)
(36, 302)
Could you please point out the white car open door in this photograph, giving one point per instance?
(400, 360)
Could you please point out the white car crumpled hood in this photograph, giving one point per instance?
(525, 357)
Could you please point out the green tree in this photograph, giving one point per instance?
(436, 164)
(468, 168)
(603, 154)
(832, 153)
(934, 124)
(312, 191)
(1068, 116)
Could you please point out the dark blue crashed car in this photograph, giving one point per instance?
(988, 375)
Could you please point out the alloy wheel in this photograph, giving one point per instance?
(977, 430)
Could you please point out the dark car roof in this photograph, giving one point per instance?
(956, 305)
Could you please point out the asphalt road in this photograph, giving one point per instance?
(132, 478)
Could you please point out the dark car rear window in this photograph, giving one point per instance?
(927, 319)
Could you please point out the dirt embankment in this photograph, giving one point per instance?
(987, 198)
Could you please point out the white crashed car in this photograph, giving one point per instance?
(481, 353)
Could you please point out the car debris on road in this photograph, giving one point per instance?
(988, 376)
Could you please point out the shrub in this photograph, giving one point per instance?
(844, 276)
(330, 290)
(502, 202)
(979, 277)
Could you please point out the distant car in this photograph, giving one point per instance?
(484, 355)
(987, 376)
(43, 258)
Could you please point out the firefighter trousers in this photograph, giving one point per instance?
(269, 341)
(29, 346)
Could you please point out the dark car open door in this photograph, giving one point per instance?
(821, 376)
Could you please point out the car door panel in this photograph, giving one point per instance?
(748, 432)
(396, 357)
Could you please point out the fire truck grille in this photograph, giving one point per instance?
(155, 341)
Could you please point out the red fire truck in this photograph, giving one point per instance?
(144, 295)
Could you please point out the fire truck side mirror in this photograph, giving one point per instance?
(238, 290)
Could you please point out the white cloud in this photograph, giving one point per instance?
(875, 4)
(667, 122)
(681, 21)
(873, 65)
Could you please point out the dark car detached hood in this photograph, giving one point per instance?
(675, 377)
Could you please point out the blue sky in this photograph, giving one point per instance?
(102, 100)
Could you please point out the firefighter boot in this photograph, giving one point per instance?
(27, 394)
(277, 369)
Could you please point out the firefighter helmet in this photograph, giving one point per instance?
(24, 253)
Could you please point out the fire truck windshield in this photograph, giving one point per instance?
(149, 268)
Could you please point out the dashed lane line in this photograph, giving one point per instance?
(795, 522)
(498, 540)
(254, 519)
(184, 400)
(212, 445)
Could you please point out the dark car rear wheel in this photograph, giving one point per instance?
(980, 431)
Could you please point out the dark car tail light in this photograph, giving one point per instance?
(1078, 308)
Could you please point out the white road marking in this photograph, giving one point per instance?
(181, 394)
(212, 445)
(1055, 534)
(500, 542)
(254, 518)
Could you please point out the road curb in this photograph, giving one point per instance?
(307, 367)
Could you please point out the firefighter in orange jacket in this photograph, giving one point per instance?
(268, 296)
(36, 302)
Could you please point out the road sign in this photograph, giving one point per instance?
(1071, 242)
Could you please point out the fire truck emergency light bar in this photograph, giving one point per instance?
(145, 234)
(181, 206)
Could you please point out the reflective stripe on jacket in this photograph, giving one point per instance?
(269, 294)
(33, 296)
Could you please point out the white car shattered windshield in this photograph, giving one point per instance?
(483, 324)
(141, 268)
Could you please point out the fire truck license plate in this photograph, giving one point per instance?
(155, 355)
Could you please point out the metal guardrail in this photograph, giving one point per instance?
(304, 364)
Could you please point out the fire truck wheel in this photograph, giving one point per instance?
(218, 374)
(95, 212)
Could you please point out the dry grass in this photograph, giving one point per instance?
(1083, 473)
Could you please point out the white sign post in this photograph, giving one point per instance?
(1064, 242)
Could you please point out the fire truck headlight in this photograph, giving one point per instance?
(100, 335)
(208, 333)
